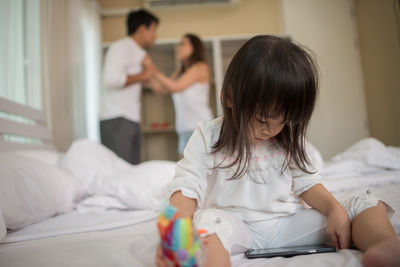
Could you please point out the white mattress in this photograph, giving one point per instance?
(126, 238)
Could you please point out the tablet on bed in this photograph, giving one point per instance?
(288, 251)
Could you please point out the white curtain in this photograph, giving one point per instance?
(91, 27)
(20, 61)
(71, 56)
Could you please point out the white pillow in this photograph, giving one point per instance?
(50, 157)
(140, 188)
(32, 191)
(102, 172)
(87, 160)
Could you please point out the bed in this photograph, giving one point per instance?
(87, 207)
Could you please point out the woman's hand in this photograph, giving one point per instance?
(147, 61)
(157, 87)
(338, 228)
(149, 72)
(149, 69)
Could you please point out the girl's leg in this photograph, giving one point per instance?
(216, 255)
(373, 233)
(227, 235)
(307, 227)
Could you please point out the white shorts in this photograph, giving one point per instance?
(306, 227)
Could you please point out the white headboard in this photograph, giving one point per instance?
(37, 130)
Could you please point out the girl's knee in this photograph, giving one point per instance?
(383, 207)
(213, 242)
(215, 253)
(230, 231)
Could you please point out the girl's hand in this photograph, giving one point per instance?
(161, 261)
(338, 228)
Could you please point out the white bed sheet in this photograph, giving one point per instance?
(94, 235)
(76, 223)
(133, 246)
(126, 240)
(128, 246)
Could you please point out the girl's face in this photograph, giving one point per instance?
(266, 128)
(184, 49)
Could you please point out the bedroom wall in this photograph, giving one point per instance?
(328, 28)
(379, 39)
(243, 17)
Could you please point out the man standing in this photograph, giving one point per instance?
(126, 67)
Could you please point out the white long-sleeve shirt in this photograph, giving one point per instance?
(262, 193)
(123, 58)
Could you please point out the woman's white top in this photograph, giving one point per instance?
(123, 58)
(192, 106)
(263, 193)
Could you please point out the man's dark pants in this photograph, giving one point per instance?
(123, 137)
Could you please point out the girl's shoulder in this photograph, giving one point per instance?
(210, 130)
(212, 125)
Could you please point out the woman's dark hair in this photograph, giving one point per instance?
(268, 76)
(198, 54)
(139, 17)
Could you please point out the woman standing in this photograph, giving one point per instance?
(190, 86)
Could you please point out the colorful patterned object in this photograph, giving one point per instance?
(178, 239)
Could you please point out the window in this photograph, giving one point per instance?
(20, 58)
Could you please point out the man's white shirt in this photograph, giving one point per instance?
(123, 58)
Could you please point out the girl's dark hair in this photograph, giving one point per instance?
(139, 17)
(198, 54)
(268, 76)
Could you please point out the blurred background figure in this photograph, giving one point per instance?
(189, 86)
(126, 67)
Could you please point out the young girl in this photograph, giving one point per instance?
(190, 86)
(243, 174)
